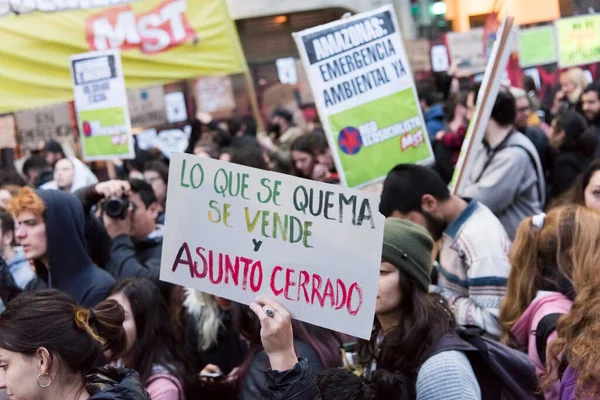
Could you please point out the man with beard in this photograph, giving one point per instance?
(473, 260)
(590, 100)
(284, 132)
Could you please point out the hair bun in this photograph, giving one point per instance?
(85, 318)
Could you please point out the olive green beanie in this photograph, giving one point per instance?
(408, 247)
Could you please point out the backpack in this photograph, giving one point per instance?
(545, 328)
(502, 373)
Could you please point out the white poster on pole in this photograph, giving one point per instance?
(239, 232)
(101, 105)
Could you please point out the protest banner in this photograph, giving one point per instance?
(239, 232)
(537, 46)
(147, 106)
(214, 95)
(486, 99)
(40, 125)
(7, 132)
(161, 41)
(101, 106)
(468, 49)
(365, 94)
(578, 40)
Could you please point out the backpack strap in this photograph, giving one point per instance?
(545, 328)
(535, 168)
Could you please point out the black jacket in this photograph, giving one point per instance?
(298, 383)
(70, 268)
(8, 287)
(541, 143)
(110, 383)
(566, 166)
(255, 385)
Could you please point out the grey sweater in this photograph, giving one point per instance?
(510, 185)
(447, 376)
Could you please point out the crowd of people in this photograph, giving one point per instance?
(481, 295)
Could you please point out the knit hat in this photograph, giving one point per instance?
(408, 246)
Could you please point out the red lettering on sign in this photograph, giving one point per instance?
(158, 30)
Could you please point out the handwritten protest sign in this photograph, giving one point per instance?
(578, 40)
(101, 105)
(468, 49)
(147, 106)
(365, 94)
(238, 232)
(7, 132)
(39, 125)
(537, 46)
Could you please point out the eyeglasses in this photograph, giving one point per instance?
(523, 109)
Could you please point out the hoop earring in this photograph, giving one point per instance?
(46, 385)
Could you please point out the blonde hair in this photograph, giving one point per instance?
(207, 313)
(577, 77)
(578, 331)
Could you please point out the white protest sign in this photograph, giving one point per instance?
(101, 105)
(239, 232)
(175, 107)
(439, 58)
(467, 48)
(286, 70)
(171, 140)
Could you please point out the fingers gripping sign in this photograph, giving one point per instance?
(276, 333)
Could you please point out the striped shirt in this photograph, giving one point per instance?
(474, 267)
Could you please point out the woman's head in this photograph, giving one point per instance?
(572, 83)
(64, 174)
(49, 343)
(303, 159)
(570, 132)
(586, 190)
(156, 173)
(579, 329)
(456, 107)
(540, 260)
(150, 340)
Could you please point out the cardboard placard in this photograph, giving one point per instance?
(418, 52)
(215, 95)
(147, 106)
(40, 125)
(7, 132)
(238, 232)
(101, 106)
(365, 94)
(468, 49)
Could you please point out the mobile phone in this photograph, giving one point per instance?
(212, 375)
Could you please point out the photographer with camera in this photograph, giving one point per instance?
(126, 227)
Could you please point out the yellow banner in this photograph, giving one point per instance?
(160, 40)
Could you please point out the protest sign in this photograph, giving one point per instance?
(161, 41)
(239, 232)
(101, 106)
(7, 132)
(418, 54)
(171, 140)
(145, 139)
(147, 106)
(537, 46)
(214, 95)
(439, 58)
(365, 94)
(468, 49)
(486, 99)
(286, 70)
(578, 40)
(40, 125)
(176, 108)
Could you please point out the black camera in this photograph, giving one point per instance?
(116, 207)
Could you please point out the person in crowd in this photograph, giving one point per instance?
(540, 281)
(450, 140)
(532, 93)
(53, 152)
(473, 258)
(507, 175)
(18, 265)
(285, 133)
(433, 111)
(50, 227)
(5, 197)
(472, 101)
(572, 84)
(152, 349)
(211, 338)
(319, 346)
(251, 156)
(578, 330)
(574, 146)
(590, 100)
(134, 238)
(586, 190)
(156, 173)
(66, 178)
(64, 342)
(305, 152)
(37, 171)
(522, 124)
(206, 149)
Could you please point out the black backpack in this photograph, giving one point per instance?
(502, 373)
(545, 328)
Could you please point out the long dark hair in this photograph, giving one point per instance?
(425, 318)
(155, 343)
(578, 136)
(577, 193)
(324, 342)
(52, 319)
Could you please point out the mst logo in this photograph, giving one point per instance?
(160, 29)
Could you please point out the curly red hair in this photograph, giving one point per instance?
(26, 200)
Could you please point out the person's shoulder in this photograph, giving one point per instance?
(445, 371)
(163, 387)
